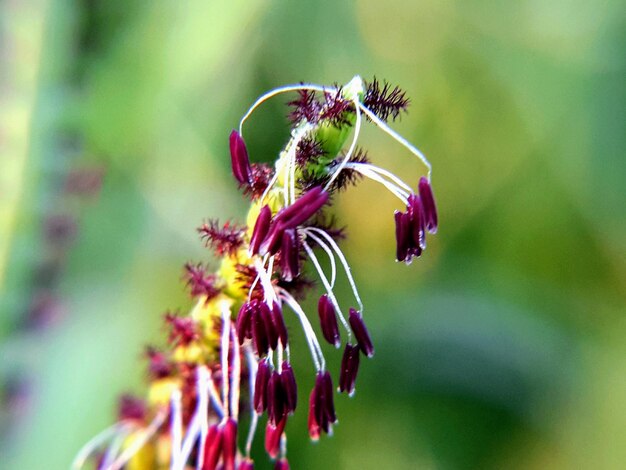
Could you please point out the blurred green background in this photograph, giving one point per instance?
(502, 347)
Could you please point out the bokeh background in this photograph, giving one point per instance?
(504, 346)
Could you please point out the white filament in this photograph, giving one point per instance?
(99, 439)
(176, 427)
(224, 353)
(344, 263)
(397, 137)
(393, 189)
(142, 437)
(314, 345)
(235, 376)
(331, 257)
(328, 287)
(254, 418)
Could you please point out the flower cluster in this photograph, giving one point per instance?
(232, 351)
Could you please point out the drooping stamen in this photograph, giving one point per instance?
(289, 255)
(273, 433)
(260, 386)
(327, 286)
(239, 158)
(328, 321)
(349, 369)
(428, 202)
(261, 227)
(213, 448)
(361, 334)
(229, 444)
(290, 387)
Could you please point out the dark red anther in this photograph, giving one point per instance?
(290, 387)
(273, 239)
(229, 444)
(246, 464)
(402, 235)
(239, 158)
(273, 433)
(212, 448)
(259, 331)
(428, 202)
(327, 384)
(275, 398)
(321, 406)
(314, 427)
(243, 323)
(261, 228)
(349, 368)
(260, 386)
(270, 328)
(302, 208)
(360, 333)
(279, 323)
(328, 321)
(415, 211)
(282, 464)
(289, 255)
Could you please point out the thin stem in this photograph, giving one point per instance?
(393, 189)
(203, 410)
(356, 166)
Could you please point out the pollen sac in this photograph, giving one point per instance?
(361, 334)
(415, 212)
(279, 323)
(321, 406)
(276, 398)
(260, 386)
(239, 158)
(273, 433)
(290, 387)
(282, 464)
(408, 243)
(428, 201)
(212, 448)
(349, 369)
(244, 322)
(289, 255)
(291, 216)
(246, 464)
(229, 443)
(328, 321)
(261, 227)
(270, 328)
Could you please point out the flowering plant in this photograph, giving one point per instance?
(235, 338)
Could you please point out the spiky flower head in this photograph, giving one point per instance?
(234, 343)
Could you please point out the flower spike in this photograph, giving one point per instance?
(199, 382)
